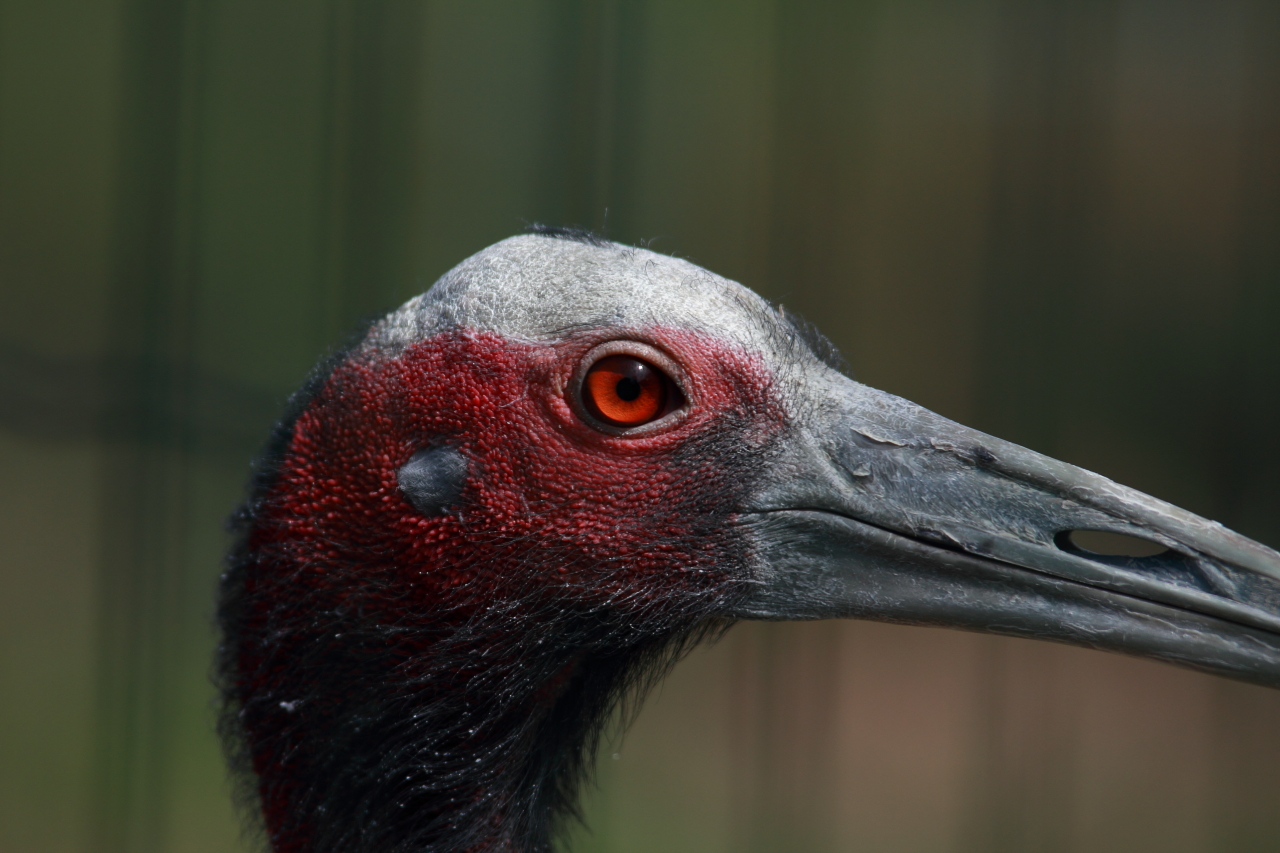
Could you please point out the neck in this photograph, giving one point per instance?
(453, 741)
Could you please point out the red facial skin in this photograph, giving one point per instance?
(553, 509)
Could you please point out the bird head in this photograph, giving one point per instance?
(526, 492)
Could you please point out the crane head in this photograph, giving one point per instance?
(527, 491)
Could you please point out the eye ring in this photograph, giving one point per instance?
(628, 388)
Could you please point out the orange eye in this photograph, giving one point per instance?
(624, 391)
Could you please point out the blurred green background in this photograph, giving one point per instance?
(1058, 222)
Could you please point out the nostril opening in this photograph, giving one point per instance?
(1145, 557)
(1104, 543)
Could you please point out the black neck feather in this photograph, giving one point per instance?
(473, 735)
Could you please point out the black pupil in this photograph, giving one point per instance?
(627, 389)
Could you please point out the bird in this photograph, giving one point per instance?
(517, 500)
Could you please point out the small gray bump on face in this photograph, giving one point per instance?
(432, 479)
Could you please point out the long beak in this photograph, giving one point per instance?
(879, 509)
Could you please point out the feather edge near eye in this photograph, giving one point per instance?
(626, 389)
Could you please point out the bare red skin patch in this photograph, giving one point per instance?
(552, 510)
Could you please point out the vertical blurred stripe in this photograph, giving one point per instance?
(144, 480)
(1051, 99)
(1244, 420)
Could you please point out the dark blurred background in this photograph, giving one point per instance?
(1058, 222)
